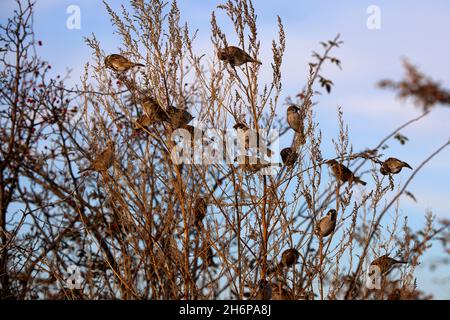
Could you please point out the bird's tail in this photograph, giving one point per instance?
(358, 180)
(139, 65)
(277, 164)
(407, 165)
(257, 61)
(401, 261)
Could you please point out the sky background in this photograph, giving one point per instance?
(417, 30)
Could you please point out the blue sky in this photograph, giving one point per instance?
(417, 30)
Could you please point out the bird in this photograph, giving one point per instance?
(294, 119)
(385, 263)
(119, 63)
(199, 211)
(327, 224)
(289, 257)
(393, 166)
(264, 291)
(342, 173)
(178, 117)
(250, 133)
(288, 156)
(235, 56)
(209, 257)
(144, 121)
(104, 159)
(252, 164)
(154, 111)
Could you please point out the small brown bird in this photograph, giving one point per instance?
(385, 263)
(154, 110)
(103, 161)
(199, 210)
(178, 117)
(144, 121)
(264, 291)
(209, 257)
(343, 174)
(288, 156)
(294, 119)
(119, 63)
(193, 131)
(289, 257)
(327, 224)
(241, 127)
(393, 166)
(235, 56)
(253, 164)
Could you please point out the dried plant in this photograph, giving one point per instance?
(95, 206)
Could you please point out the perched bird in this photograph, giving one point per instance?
(385, 263)
(343, 174)
(119, 63)
(178, 117)
(289, 257)
(144, 121)
(393, 166)
(235, 56)
(199, 210)
(288, 156)
(327, 224)
(154, 110)
(103, 161)
(251, 134)
(294, 119)
(264, 291)
(209, 257)
(252, 164)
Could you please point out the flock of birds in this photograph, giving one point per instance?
(179, 118)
